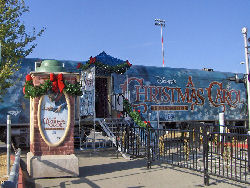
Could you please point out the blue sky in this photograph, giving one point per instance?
(198, 33)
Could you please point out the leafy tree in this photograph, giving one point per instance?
(16, 43)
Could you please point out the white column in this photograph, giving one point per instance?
(244, 32)
(222, 124)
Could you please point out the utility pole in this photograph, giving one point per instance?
(244, 32)
(161, 23)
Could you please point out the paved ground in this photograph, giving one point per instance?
(102, 169)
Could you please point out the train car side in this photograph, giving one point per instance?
(180, 95)
(165, 96)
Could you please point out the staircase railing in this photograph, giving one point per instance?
(112, 137)
(131, 141)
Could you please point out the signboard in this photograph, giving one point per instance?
(183, 94)
(87, 100)
(54, 118)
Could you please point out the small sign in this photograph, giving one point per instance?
(54, 118)
(87, 100)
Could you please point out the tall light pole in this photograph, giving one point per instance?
(161, 23)
(244, 32)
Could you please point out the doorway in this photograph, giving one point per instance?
(101, 97)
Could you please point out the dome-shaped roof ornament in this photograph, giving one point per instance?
(50, 66)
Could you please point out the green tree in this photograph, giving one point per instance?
(16, 43)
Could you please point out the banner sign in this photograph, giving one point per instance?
(183, 94)
(87, 100)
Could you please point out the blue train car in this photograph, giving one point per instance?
(177, 94)
(166, 95)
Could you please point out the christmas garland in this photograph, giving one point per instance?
(135, 115)
(53, 84)
(119, 69)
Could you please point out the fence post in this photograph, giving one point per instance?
(118, 139)
(8, 143)
(127, 139)
(148, 148)
(248, 150)
(205, 155)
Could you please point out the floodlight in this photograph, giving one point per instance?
(244, 30)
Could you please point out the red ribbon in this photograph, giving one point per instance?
(129, 64)
(57, 82)
(78, 65)
(92, 60)
(28, 78)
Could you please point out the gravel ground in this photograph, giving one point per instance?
(3, 162)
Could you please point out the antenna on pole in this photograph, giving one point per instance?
(161, 23)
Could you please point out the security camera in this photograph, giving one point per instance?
(242, 62)
(244, 30)
(248, 40)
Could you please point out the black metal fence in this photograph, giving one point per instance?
(209, 149)
(198, 147)
(132, 140)
(228, 156)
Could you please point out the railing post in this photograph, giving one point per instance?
(127, 139)
(118, 139)
(8, 143)
(148, 148)
(248, 150)
(205, 155)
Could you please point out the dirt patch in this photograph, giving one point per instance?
(3, 167)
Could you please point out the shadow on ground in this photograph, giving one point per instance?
(84, 171)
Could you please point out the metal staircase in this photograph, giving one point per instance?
(108, 124)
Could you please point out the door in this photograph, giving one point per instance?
(101, 97)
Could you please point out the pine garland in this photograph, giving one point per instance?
(119, 69)
(73, 89)
(135, 115)
(32, 91)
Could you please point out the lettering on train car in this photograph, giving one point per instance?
(215, 93)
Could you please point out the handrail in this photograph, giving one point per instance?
(14, 174)
(112, 137)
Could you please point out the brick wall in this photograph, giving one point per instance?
(38, 146)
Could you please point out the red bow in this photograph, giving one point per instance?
(92, 60)
(57, 82)
(78, 65)
(129, 64)
(28, 78)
